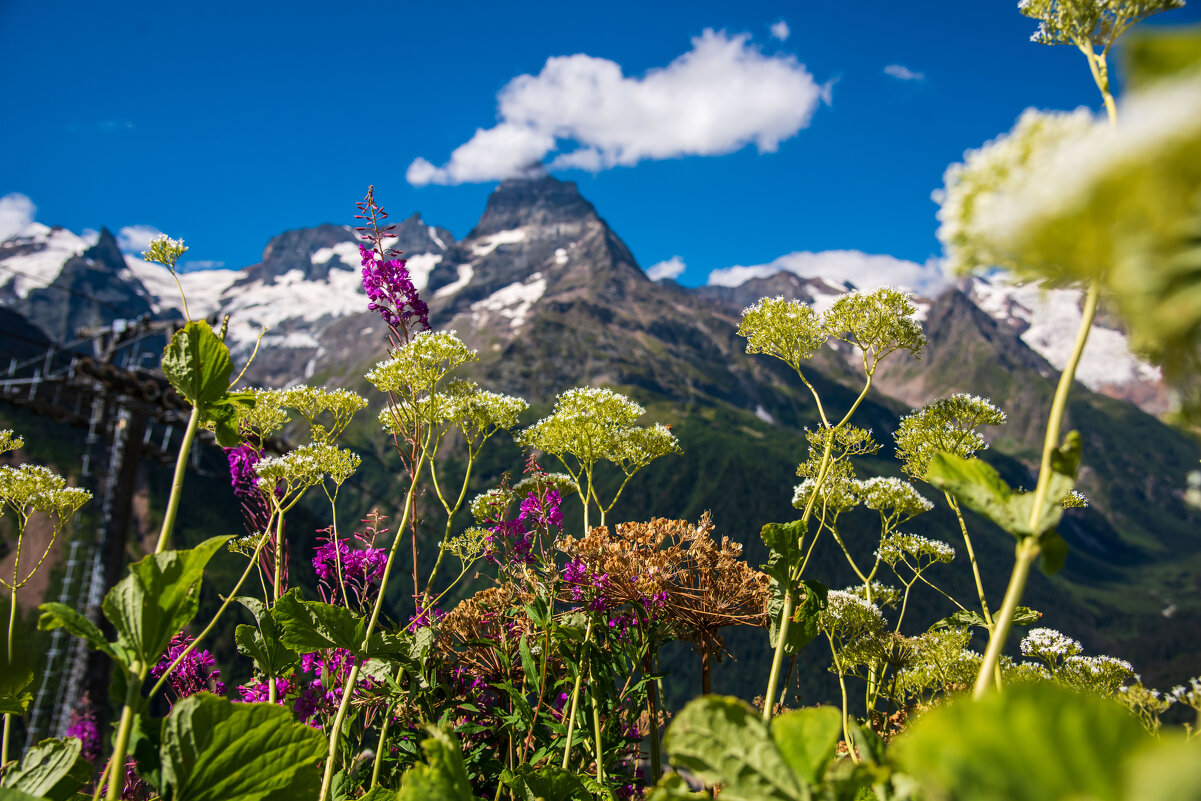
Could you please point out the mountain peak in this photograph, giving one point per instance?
(544, 200)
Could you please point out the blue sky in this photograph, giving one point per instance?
(227, 123)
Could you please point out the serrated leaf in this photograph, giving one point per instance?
(802, 629)
(52, 769)
(308, 626)
(783, 541)
(261, 642)
(55, 616)
(443, 777)
(198, 364)
(807, 738)
(549, 783)
(158, 598)
(218, 750)
(1030, 743)
(723, 741)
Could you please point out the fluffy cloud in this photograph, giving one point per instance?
(720, 96)
(864, 270)
(672, 268)
(903, 73)
(780, 30)
(16, 212)
(136, 238)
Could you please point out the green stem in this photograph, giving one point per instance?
(352, 679)
(181, 466)
(842, 685)
(12, 622)
(777, 659)
(116, 776)
(279, 554)
(379, 749)
(1028, 548)
(250, 565)
(575, 696)
(596, 730)
(1027, 551)
(971, 556)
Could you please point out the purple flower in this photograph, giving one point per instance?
(511, 539)
(425, 618)
(391, 292)
(542, 511)
(242, 473)
(83, 728)
(197, 672)
(258, 692)
(362, 569)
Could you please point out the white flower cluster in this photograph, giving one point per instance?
(1075, 499)
(925, 552)
(848, 616)
(948, 424)
(893, 497)
(328, 411)
(490, 505)
(882, 594)
(1049, 645)
(307, 466)
(32, 488)
(417, 366)
(10, 441)
(165, 251)
(266, 416)
(838, 493)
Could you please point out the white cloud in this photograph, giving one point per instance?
(903, 73)
(90, 235)
(136, 238)
(720, 96)
(780, 30)
(672, 268)
(200, 264)
(864, 270)
(16, 212)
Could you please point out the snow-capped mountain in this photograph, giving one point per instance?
(538, 246)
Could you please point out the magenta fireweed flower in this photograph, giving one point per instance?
(242, 473)
(198, 672)
(391, 292)
(322, 695)
(542, 511)
(512, 540)
(425, 618)
(83, 728)
(362, 569)
(259, 692)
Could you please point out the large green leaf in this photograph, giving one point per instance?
(52, 769)
(1169, 770)
(218, 750)
(56, 615)
(443, 778)
(1022, 616)
(197, 363)
(1152, 55)
(158, 598)
(807, 738)
(784, 545)
(261, 642)
(307, 626)
(976, 485)
(722, 741)
(9, 794)
(1029, 743)
(549, 783)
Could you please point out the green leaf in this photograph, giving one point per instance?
(380, 794)
(56, 615)
(261, 642)
(549, 783)
(1169, 770)
(807, 738)
(1030, 743)
(217, 750)
(314, 626)
(52, 769)
(443, 778)
(673, 788)
(145, 746)
(197, 363)
(976, 485)
(224, 415)
(1022, 616)
(528, 663)
(784, 544)
(9, 794)
(723, 741)
(1053, 552)
(1151, 56)
(17, 677)
(158, 598)
(810, 601)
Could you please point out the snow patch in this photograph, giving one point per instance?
(291, 297)
(1052, 317)
(419, 268)
(512, 302)
(492, 242)
(560, 256)
(203, 288)
(434, 236)
(49, 249)
(466, 272)
(764, 415)
(348, 252)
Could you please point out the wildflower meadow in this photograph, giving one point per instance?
(528, 659)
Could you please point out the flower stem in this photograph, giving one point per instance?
(116, 775)
(575, 698)
(181, 466)
(12, 622)
(1028, 548)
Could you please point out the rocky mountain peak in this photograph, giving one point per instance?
(295, 250)
(541, 201)
(106, 251)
